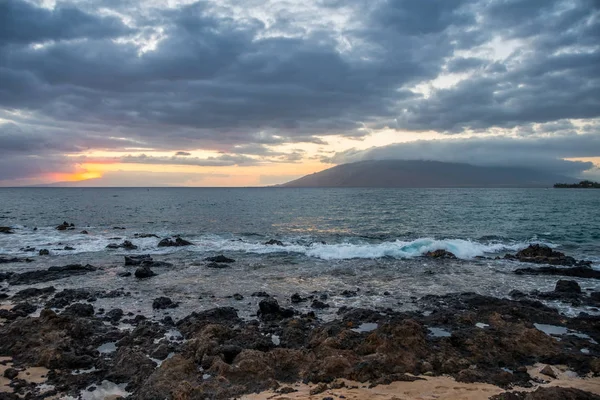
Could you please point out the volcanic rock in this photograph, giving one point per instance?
(144, 272)
(219, 259)
(178, 242)
(440, 254)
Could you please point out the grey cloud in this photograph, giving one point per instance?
(183, 153)
(219, 161)
(544, 153)
(24, 23)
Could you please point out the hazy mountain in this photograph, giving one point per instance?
(402, 173)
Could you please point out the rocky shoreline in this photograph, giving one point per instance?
(216, 354)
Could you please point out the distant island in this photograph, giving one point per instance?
(580, 185)
(425, 174)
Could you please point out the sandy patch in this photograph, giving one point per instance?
(438, 388)
(35, 375)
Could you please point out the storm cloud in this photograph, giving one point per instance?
(238, 77)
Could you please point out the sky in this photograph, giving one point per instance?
(260, 92)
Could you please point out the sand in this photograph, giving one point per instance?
(438, 388)
(35, 375)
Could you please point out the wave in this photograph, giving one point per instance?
(464, 249)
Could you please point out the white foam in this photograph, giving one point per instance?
(465, 249)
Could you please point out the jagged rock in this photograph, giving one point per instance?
(11, 373)
(44, 252)
(65, 226)
(441, 254)
(238, 296)
(219, 259)
(269, 309)
(52, 273)
(216, 265)
(178, 242)
(10, 260)
(145, 235)
(162, 303)
(79, 310)
(69, 248)
(296, 298)
(541, 254)
(33, 292)
(137, 260)
(319, 304)
(576, 272)
(565, 286)
(274, 242)
(144, 272)
(127, 245)
(84, 232)
(114, 315)
(260, 294)
(6, 229)
(548, 393)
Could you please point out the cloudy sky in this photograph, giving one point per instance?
(258, 92)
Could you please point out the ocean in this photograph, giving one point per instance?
(351, 247)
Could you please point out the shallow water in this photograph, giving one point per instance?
(364, 240)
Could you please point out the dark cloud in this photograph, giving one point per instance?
(230, 77)
(543, 153)
(183, 153)
(218, 161)
(24, 23)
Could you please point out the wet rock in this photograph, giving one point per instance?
(18, 311)
(548, 371)
(548, 393)
(145, 235)
(11, 373)
(320, 388)
(196, 321)
(137, 260)
(269, 309)
(296, 298)
(52, 273)
(161, 352)
(84, 232)
(44, 252)
(163, 303)
(6, 230)
(260, 294)
(69, 248)
(119, 228)
(178, 242)
(28, 249)
(65, 226)
(319, 305)
(10, 260)
(127, 245)
(144, 272)
(441, 254)
(541, 254)
(349, 293)
(114, 315)
(274, 242)
(68, 296)
(220, 259)
(576, 272)
(238, 296)
(130, 366)
(79, 310)
(124, 274)
(215, 265)
(566, 286)
(33, 292)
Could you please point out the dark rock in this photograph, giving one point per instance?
(196, 321)
(33, 292)
(319, 304)
(441, 254)
(127, 245)
(6, 229)
(124, 274)
(68, 248)
(11, 373)
(565, 286)
(65, 226)
(131, 366)
(216, 265)
(144, 272)
(137, 260)
(79, 310)
(145, 235)
(114, 315)
(162, 303)
(548, 393)
(119, 228)
(28, 249)
(68, 296)
(18, 311)
(52, 273)
(296, 298)
(269, 309)
(178, 242)
(349, 293)
(274, 242)
(238, 296)
(10, 260)
(576, 272)
(541, 254)
(161, 352)
(219, 259)
(260, 294)
(84, 232)
(44, 252)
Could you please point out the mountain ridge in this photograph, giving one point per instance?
(421, 174)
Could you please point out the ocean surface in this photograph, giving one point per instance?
(369, 241)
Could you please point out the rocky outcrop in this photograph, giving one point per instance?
(274, 242)
(6, 229)
(163, 303)
(220, 259)
(541, 254)
(144, 272)
(440, 254)
(52, 273)
(178, 242)
(575, 272)
(65, 226)
(127, 245)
